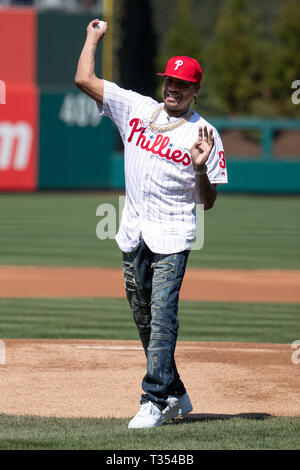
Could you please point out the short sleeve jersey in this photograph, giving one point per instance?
(159, 176)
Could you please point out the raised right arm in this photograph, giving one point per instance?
(85, 78)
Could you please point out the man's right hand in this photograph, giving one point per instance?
(94, 32)
(85, 78)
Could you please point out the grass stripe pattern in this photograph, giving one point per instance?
(95, 318)
(247, 232)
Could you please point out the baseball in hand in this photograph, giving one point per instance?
(99, 25)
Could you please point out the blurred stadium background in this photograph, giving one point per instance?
(51, 136)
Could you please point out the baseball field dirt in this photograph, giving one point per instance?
(73, 378)
(224, 285)
(93, 378)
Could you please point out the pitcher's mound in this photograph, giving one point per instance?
(73, 378)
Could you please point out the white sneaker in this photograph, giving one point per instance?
(177, 407)
(149, 416)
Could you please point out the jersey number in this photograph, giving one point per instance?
(222, 161)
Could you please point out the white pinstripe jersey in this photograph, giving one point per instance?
(159, 175)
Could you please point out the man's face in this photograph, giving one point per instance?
(178, 95)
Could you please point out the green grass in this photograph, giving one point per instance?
(60, 229)
(88, 318)
(28, 432)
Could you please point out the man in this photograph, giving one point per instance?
(172, 161)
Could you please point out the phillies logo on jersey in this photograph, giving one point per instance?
(159, 146)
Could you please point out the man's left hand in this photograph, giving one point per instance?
(202, 148)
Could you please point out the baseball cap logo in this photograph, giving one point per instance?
(178, 64)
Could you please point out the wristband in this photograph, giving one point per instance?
(201, 172)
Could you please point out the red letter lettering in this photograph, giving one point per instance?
(134, 122)
(163, 145)
(156, 142)
(186, 159)
(145, 144)
(177, 156)
(141, 138)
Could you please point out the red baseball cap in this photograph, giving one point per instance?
(183, 68)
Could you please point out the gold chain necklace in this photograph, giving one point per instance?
(167, 127)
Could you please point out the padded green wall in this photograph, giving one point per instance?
(75, 144)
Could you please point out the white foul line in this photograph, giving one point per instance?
(133, 348)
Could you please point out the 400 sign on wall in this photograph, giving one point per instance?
(75, 142)
(18, 139)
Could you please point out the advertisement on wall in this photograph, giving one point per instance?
(18, 100)
(18, 137)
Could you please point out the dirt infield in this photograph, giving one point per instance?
(103, 378)
(227, 285)
(73, 378)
